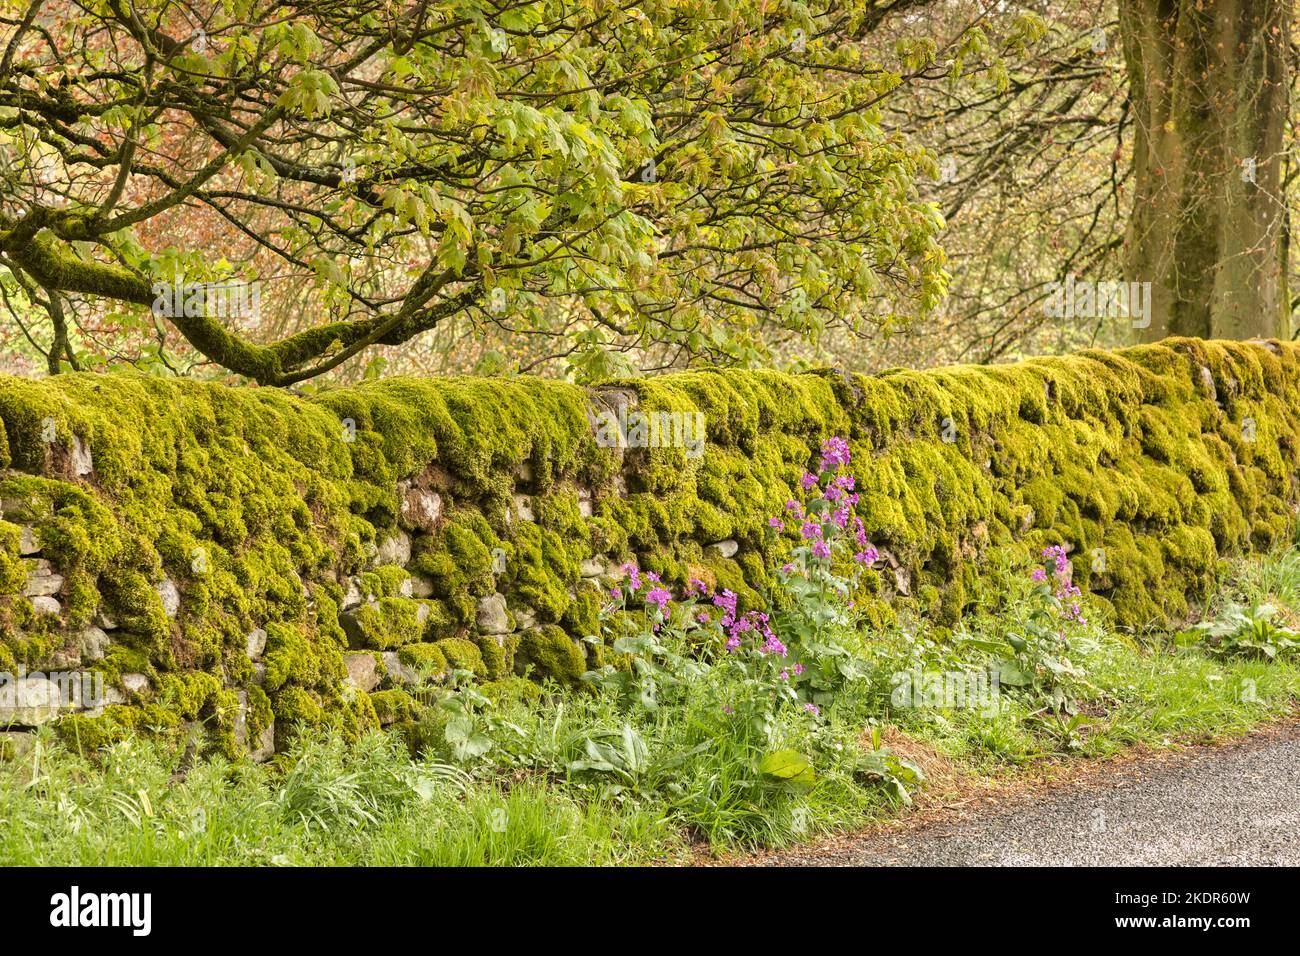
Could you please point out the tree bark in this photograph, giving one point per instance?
(1209, 86)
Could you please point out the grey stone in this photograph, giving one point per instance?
(584, 503)
(135, 683)
(16, 744)
(81, 461)
(170, 596)
(727, 548)
(29, 702)
(362, 672)
(398, 672)
(406, 588)
(259, 673)
(16, 509)
(264, 747)
(421, 509)
(45, 604)
(93, 643)
(492, 617)
(351, 594)
(395, 548)
(29, 541)
(90, 692)
(524, 508)
(105, 619)
(112, 696)
(256, 643)
(66, 658)
(903, 581)
(525, 618)
(524, 472)
(421, 587)
(42, 579)
(261, 749)
(1207, 382)
(596, 567)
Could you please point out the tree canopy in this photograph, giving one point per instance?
(700, 175)
(591, 189)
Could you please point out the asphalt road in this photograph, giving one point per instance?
(1213, 806)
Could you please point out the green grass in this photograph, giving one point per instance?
(371, 803)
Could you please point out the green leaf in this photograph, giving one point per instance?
(788, 767)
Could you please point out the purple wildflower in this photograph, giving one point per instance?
(835, 452)
(660, 596)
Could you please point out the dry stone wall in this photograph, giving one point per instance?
(175, 554)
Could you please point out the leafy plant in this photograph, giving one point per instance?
(881, 766)
(1247, 632)
(471, 729)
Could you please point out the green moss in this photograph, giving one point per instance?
(385, 581)
(512, 689)
(582, 616)
(388, 623)
(463, 655)
(547, 651)
(543, 569)
(394, 706)
(260, 506)
(427, 660)
(496, 662)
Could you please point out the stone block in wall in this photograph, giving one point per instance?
(42, 579)
(30, 541)
(262, 747)
(170, 596)
(255, 643)
(393, 548)
(397, 672)
(30, 701)
(726, 548)
(420, 509)
(390, 622)
(44, 604)
(493, 616)
(93, 643)
(363, 672)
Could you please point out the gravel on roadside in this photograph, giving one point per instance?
(1235, 805)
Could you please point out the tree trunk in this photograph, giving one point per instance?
(1209, 90)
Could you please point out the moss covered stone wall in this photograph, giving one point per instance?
(244, 560)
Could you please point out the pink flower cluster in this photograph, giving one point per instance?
(1066, 592)
(751, 623)
(837, 490)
